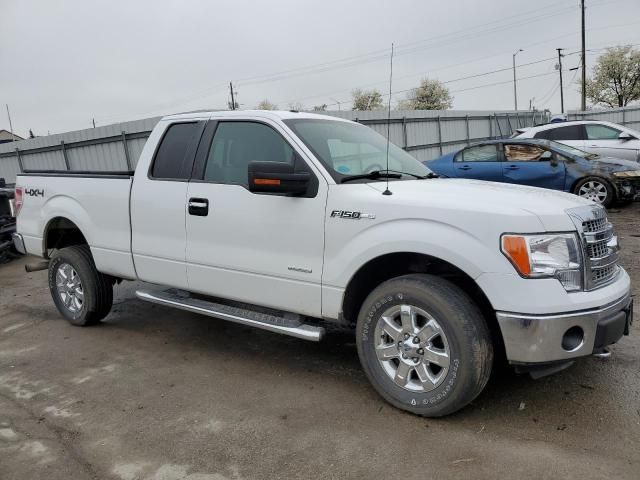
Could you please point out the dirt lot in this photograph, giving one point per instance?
(155, 393)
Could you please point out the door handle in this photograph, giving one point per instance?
(198, 207)
(464, 167)
(512, 167)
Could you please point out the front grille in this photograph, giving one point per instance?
(600, 250)
(595, 225)
(599, 245)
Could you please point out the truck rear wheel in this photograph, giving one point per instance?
(82, 295)
(424, 345)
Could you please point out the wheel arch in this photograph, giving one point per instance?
(391, 265)
(60, 232)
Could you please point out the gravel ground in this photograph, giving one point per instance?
(156, 393)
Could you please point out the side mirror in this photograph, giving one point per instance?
(546, 155)
(624, 136)
(277, 177)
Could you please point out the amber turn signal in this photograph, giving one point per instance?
(515, 248)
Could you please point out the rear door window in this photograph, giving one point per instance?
(480, 153)
(570, 132)
(170, 162)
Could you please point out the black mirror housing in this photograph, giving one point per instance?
(277, 177)
(624, 136)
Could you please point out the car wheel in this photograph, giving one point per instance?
(596, 189)
(82, 295)
(424, 345)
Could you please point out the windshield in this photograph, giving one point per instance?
(569, 150)
(348, 149)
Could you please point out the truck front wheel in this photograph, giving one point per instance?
(82, 295)
(424, 345)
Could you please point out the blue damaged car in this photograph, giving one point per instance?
(546, 164)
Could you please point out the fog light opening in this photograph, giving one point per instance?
(573, 339)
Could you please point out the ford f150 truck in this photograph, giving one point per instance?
(291, 221)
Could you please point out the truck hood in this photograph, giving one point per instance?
(488, 199)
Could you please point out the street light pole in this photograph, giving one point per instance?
(560, 71)
(336, 102)
(515, 88)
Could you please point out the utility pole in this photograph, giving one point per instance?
(93, 120)
(560, 71)
(584, 63)
(336, 102)
(233, 100)
(515, 90)
(13, 138)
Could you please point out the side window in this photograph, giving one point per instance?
(522, 153)
(170, 155)
(236, 144)
(601, 132)
(571, 132)
(481, 153)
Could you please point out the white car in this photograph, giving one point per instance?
(602, 138)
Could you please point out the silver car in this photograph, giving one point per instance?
(602, 138)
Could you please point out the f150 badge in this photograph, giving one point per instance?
(352, 215)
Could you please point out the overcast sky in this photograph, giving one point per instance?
(63, 63)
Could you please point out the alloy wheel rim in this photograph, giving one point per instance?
(412, 348)
(594, 191)
(69, 287)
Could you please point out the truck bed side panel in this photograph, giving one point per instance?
(99, 207)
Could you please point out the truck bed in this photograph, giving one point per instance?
(97, 202)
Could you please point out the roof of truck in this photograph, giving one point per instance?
(274, 114)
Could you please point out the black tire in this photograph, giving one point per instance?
(466, 334)
(96, 287)
(611, 193)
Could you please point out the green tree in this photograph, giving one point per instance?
(266, 105)
(429, 95)
(320, 108)
(366, 99)
(616, 77)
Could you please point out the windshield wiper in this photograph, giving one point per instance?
(376, 174)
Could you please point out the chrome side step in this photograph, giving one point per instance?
(286, 325)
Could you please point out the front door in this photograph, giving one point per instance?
(532, 165)
(604, 140)
(479, 161)
(261, 248)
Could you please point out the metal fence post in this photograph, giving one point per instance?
(490, 127)
(466, 119)
(64, 154)
(498, 124)
(439, 134)
(19, 160)
(126, 150)
(509, 122)
(624, 116)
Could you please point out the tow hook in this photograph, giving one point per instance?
(36, 267)
(602, 353)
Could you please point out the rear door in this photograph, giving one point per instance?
(532, 165)
(603, 140)
(572, 135)
(158, 206)
(479, 161)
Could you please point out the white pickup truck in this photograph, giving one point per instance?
(291, 221)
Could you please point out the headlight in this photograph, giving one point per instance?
(631, 173)
(553, 255)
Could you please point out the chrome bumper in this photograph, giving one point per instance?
(18, 243)
(539, 338)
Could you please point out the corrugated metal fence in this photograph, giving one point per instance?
(627, 116)
(425, 134)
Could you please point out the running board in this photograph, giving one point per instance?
(279, 324)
